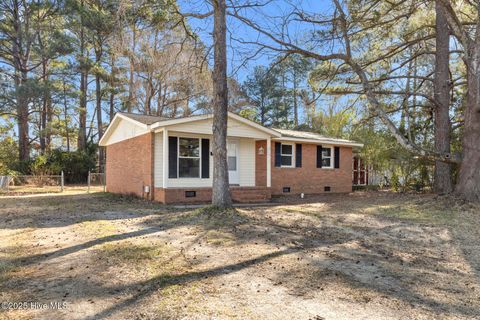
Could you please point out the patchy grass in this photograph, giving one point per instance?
(367, 255)
(29, 190)
(96, 228)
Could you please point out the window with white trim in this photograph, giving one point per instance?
(327, 157)
(188, 158)
(287, 155)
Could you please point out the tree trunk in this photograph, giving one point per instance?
(20, 60)
(98, 96)
(48, 134)
(112, 90)
(22, 118)
(468, 185)
(149, 92)
(43, 114)
(131, 94)
(82, 114)
(443, 173)
(220, 192)
(295, 103)
(65, 112)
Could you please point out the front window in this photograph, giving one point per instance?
(287, 155)
(188, 157)
(326, 157)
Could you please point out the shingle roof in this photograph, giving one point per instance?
(310, 135)
(148, 120)
(145, 119)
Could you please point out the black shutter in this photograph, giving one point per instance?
(278, 154)
(337, 157)
(172, 157)
(205, 158)
(298, 155)
(319, 156)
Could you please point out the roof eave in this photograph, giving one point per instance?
(103, 141)
(158, 126)
(320, 141)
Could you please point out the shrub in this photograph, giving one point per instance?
(75, 165)
(395, 182)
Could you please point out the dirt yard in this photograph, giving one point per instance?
(359, 256)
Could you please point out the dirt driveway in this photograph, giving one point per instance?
(359, 256)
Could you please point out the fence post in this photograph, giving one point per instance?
(62, 181)
(88, 181)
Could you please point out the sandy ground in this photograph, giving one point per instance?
(358, 256)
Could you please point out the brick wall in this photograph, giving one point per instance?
(204, 195)
(309, 179)
(129, 166)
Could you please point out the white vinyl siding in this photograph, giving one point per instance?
(158, 158)
(246, 164)
(235, 129)
(125, 130)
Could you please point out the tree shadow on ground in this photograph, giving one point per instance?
(54, 211)
(377, 255)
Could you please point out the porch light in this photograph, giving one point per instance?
(261, 151)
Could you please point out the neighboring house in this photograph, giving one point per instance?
(170, 160)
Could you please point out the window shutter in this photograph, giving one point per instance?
(172, 157)
(205, 158)
(298, 155)
(319, 156)
(278, 154)
(337, 157)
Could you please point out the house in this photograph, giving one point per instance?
(170, 160)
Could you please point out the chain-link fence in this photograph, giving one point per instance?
(5, 182)
(32, 183)
(95, 181)
(38, 184)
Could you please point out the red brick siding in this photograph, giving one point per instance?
(129, 166)
(309, 179)
(203, 195)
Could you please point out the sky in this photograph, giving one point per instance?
(240, 58)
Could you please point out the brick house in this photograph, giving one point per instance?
(170, 160)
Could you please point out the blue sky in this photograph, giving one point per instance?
(267, 15)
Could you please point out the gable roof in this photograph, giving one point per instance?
(142, 118)
(150, 123)
(173, 121)
(306, 136)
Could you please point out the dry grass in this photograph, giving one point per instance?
(29, 190)
(365, 255)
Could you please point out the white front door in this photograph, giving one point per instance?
(232, 160)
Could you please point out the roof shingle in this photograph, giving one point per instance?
(309, 135)
(148, 120)
(142, 118)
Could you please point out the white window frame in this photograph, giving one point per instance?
(331, 158)
(287, 155)
(199, 158)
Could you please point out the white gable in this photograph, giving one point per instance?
(235, 128)
(122, 129)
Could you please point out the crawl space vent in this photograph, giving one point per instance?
(190, 194)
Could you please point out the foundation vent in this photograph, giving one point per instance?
(190, 194)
